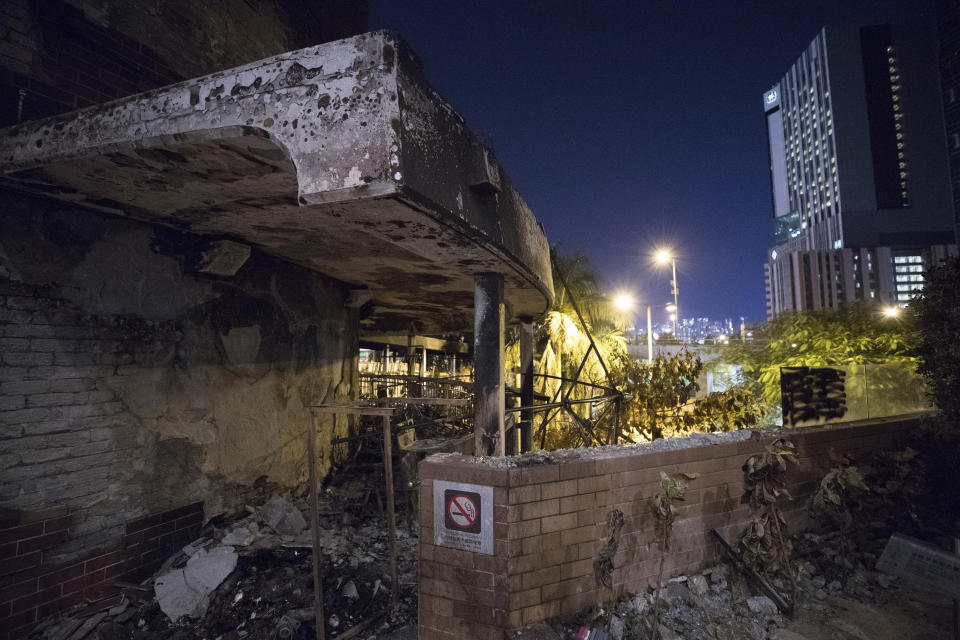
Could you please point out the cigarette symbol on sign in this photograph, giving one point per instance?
(463, 511)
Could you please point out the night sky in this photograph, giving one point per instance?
(632, 125)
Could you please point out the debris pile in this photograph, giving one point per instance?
(719, 604)
(250, 576)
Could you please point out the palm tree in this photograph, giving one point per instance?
(564, 344)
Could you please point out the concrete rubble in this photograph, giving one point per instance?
(186, 591)
(281, 516)
(718, 604)
(250, 576)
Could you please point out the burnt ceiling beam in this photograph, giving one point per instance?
(338, 157)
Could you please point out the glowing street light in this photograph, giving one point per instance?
(891, 312)
(623, 302)
(663, 257)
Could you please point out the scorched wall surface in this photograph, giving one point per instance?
(131, 383)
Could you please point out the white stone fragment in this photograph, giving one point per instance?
(281, 516)
(762, 605)
(186, 591)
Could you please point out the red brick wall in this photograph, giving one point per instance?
(549, 525)
(32, 589)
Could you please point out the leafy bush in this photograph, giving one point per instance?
(661, 406)
(855, 334)
(937, 313)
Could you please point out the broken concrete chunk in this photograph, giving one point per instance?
(718, 574)
(88, 626)
(186, 591)
(617, 628)
(224, 258)
(698, 585)
(674, 594)
(762, 605)
(242, 535)
(193, 547)
(281, 516)
(349, 590)
(667, 633)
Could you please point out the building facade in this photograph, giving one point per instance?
(948, 37)
(859, 174)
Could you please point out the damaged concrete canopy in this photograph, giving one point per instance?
(338, 157)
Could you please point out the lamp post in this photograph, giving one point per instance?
(663, 257)
(649, 337)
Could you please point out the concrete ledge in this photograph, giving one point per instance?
(338, 157)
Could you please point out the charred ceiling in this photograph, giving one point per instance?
(338, 157)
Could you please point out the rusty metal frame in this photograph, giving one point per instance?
(357, 410)
(559, 403)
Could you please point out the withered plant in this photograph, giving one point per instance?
(673, 488)
(603, 563)
(838, 500)
(764, 545)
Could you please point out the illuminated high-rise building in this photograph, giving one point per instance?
(859, 174)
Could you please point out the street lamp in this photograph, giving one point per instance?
(891, 312)
(663, 257)
(625, 302)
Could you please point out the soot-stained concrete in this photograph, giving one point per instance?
(339, 158)
(133, 382)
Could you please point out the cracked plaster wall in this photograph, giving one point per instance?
(130, 383)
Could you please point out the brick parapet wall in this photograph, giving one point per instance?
(550, 525)
(34, 586)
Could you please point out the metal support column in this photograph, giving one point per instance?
(488, 327)
(526, 384)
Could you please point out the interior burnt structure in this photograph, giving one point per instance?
(185, 271)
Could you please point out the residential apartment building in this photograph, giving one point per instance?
(859, 173)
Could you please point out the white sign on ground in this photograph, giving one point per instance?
(463, 516)
(922, 565)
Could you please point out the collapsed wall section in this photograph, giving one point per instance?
(136, 376)
(549, 513)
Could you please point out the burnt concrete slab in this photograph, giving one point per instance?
(339, 157)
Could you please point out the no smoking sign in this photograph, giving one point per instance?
(463, 516)
(463, 510)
